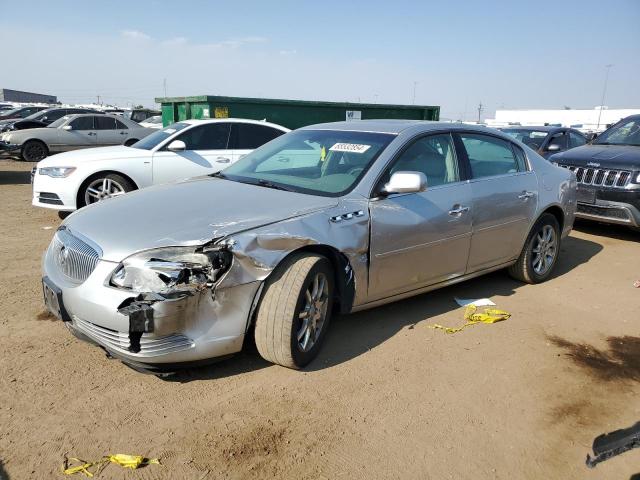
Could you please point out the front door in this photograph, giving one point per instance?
(206, 152)
(419, 239)
(82, 134)
(505, 196)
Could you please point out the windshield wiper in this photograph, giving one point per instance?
(219, 175)
(275, 186)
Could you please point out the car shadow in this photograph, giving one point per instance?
(15, 178)
(619, 232)
(349, 336)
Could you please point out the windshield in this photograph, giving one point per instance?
(318, 162)
(6, 113)
(150, 141)
(37, 115)
(624, 133)
(531, 138)
(59, 122)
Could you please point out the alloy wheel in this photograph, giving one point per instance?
(313, 313)
(101, 189)
(545, 249)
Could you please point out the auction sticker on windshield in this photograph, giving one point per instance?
(350, 147)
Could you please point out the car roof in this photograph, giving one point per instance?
(542, 128)
(232, 120)
(394, 126)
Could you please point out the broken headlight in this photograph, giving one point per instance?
(172, 270)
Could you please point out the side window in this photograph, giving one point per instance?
(120, 125)
(433, 155)
(53, 116)
(520, 158)
(212, 136)
(105, 123)
(576, 140)
(82, 123)
(559, 139)
(247, 136)
(489, 156)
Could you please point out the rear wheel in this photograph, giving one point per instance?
(34, 151)
(295, 311)
(540, 252)
(103, 186)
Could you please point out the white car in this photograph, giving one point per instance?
(152, 122)
(190, 148)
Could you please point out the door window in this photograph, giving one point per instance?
(120, 125)
(576, 140)
(559, 139)
(248, 136)
(105, 123)
(433, 155)
(82, 123)
(53, 116)
(489, 156)
(212, 136)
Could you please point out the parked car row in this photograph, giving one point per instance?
(329, 218)
(42, 118)
(72, 132)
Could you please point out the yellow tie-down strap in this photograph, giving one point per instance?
(471, 317)
(125, 461)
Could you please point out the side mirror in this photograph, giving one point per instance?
(177, 146)
(67, 127)
(406, 182)
(554, 147)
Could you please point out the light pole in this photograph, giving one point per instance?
(604, 93)
(414, 93)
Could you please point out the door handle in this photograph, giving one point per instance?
(91, 133)
(525, 195)
(124, 133)
(458, 210)
(222, 160)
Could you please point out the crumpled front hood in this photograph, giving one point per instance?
(72, 158)
(191, 212)
(608, 156)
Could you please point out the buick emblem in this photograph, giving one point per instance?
(593, 164)
(63, 255)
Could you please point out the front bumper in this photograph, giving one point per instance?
(55, 193)
(9, 147)
(192, 329)
(615, 206)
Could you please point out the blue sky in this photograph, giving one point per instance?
(507, 54)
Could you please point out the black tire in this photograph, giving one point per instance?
(122, 183)
(130, 142)
(34, 151)
(524, 269)
(62, 214)
(284, 300)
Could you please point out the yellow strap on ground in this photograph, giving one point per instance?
(125, 461)
(490, 315)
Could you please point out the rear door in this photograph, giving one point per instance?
(108, 133)
(206, 152)
(505, 196)
(419, 239)
(246, 137)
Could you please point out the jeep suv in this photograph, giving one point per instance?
(608, 174)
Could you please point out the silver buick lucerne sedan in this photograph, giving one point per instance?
(330, 218)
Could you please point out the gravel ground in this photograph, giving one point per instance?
(388, 397)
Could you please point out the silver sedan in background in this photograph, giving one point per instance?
(336, 217)
(72, 132)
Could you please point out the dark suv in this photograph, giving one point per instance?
(608, 173)
(42, 118)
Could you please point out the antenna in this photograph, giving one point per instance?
(480, 110)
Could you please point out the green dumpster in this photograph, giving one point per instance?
(289, 113)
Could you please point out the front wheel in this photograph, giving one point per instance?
(295, 310)
(540, 252)
(34, 151)
(103, 186)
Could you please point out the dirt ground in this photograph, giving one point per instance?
(388, 396)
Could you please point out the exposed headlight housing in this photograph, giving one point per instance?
(56, 172)
(171, 271)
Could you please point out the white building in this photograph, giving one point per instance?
(585, 120)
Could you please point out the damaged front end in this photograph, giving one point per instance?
(166, 274)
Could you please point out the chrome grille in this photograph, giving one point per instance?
(600, 176)
(75, 258)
